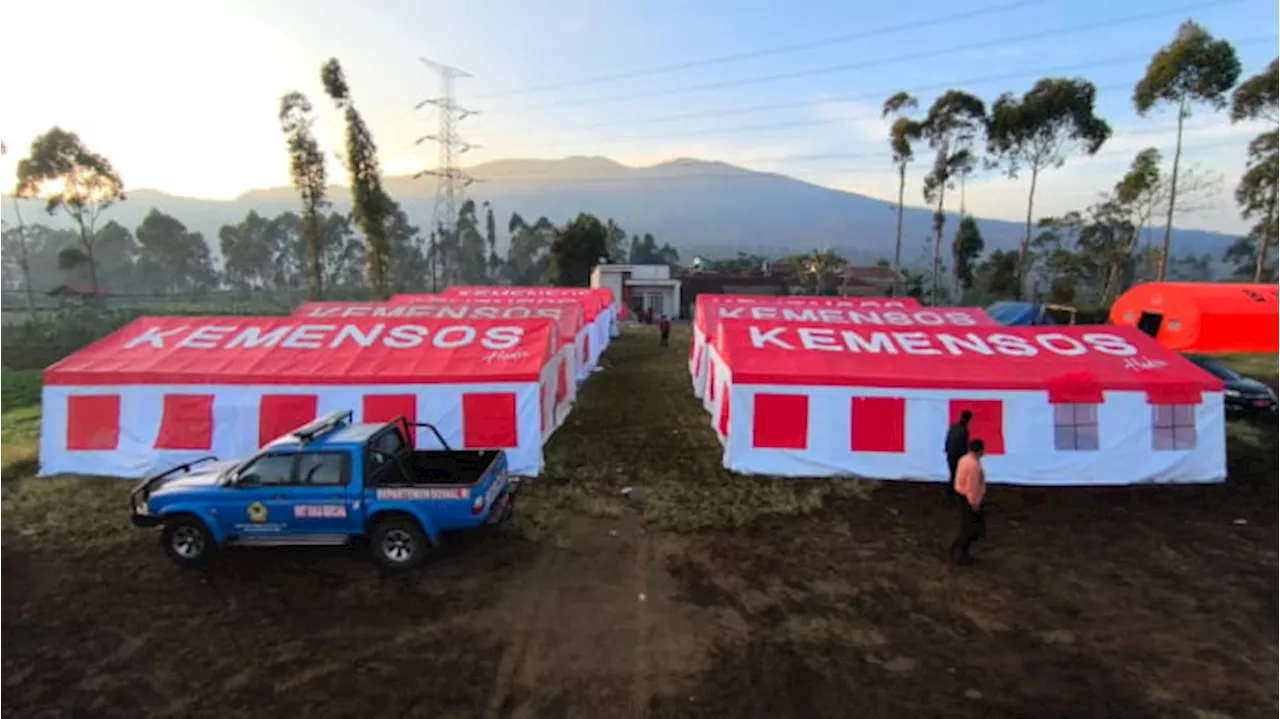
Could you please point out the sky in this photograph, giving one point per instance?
(182, 97)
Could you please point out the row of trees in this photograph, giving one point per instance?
(1055, 119)
(162, 257)
(317, 249)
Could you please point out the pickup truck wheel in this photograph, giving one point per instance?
(398, 543)
(187, 541)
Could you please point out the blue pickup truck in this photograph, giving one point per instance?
(326, 483)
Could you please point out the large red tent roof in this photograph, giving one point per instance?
(566, 314)
(997, 358)
(839, 316)
(594, 299)
(291, 350)
(709, 307)
(1206, 316)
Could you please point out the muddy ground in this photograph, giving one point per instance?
(698, 595)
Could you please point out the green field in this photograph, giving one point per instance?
(19, 422)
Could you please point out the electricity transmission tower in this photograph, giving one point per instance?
(451, 181)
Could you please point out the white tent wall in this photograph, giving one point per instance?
(698, 363)
(599, 338)
(1125, 454)
(582, 359)
(561, 366)
(235, 422)
(715, 377)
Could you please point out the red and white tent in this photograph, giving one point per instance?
(568, 313)
(826, 316)
(709, 309)
(1063, 406)
(165, 390)
(599, 304)
(567, 318)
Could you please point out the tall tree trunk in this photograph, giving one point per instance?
(897, 245)
(939, 221)
(24, 258)
(1173, 194)
(1265, 241)
(315, 273)
(1025, 247)
(86, 239)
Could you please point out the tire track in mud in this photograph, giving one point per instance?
(527, 607)
(641, 682)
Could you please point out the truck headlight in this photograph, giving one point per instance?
(1231, 392)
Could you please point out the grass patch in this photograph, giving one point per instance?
(1262, 367)
(19, 423)
(75, 511)
(638, 425)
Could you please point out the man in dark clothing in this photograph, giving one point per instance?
(957, 446)
(664, 330)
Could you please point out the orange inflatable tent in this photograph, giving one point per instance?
(1203, 316)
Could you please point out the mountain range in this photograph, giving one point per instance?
(702, 208)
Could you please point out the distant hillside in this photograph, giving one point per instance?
(701, 207)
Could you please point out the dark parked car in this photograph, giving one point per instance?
(1244, 396)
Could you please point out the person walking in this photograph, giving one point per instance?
(971, 485)
(664, 331)
(956, 446)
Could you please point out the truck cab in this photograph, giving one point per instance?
(328, 482)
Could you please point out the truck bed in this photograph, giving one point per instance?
(451, 467)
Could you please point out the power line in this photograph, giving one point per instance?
(738, 129)
(773, 51)
(1098, 25)
(880, 95)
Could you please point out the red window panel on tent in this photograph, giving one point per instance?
(281, 413)
(724, 415)
(987, 424)
(386, 407)
(93, 422)
(879, 424)
(542, 408)
(781, 421)
(562, 383)
(186, 422)
(489, 420)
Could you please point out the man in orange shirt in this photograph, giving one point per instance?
(971, 485)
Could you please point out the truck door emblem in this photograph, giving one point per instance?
(257, 512)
